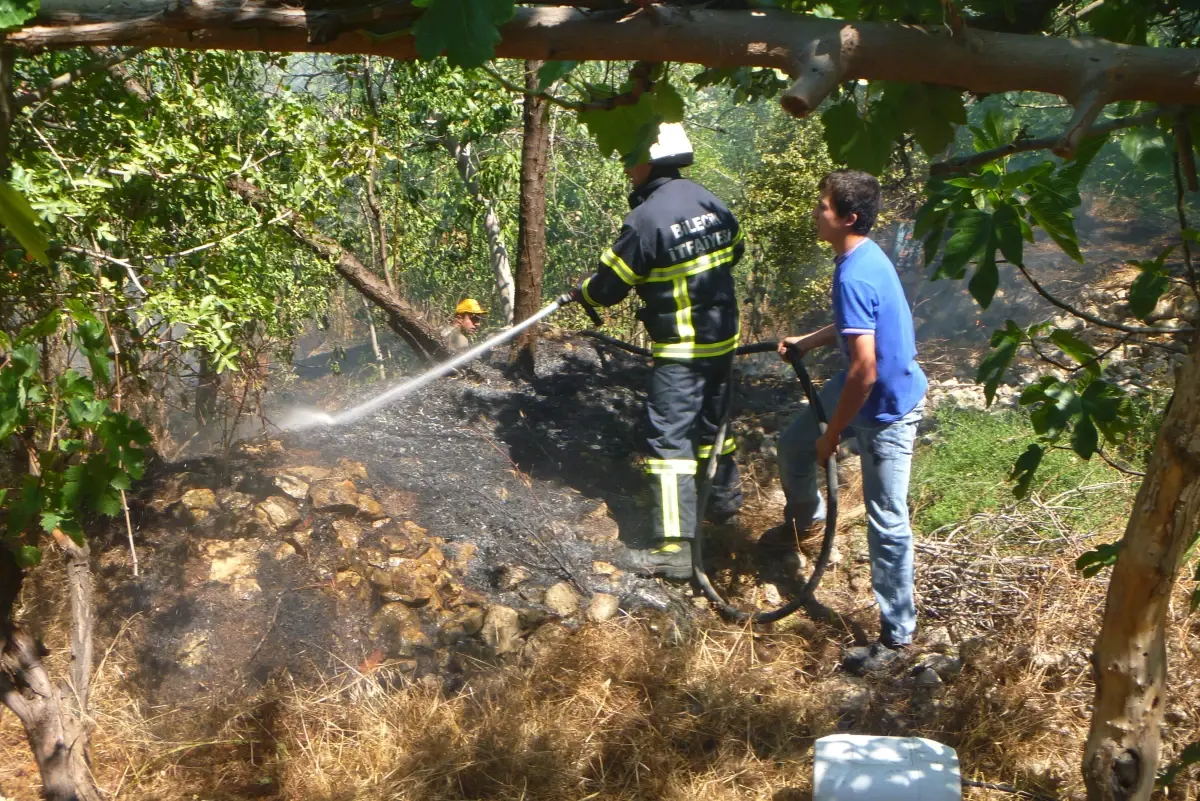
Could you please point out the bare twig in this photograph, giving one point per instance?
(964, 163)
(67, 78)
(270, 626)
(1093, 319)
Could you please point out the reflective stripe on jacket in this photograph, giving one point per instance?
(677, 248)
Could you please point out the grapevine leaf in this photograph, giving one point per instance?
(15, 13)
(467, 30)
(553, 71)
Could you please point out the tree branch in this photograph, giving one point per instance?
(993, 63)
(642, 83)
(68, 78)
(1093, 319)
(964, 163)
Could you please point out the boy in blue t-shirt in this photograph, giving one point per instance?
(879, 399)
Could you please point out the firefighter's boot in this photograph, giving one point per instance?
(672, 560)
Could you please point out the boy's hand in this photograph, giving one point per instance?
(826, 444)
(786, 344)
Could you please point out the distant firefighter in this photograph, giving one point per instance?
(467, 317)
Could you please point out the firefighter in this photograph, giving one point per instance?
(467, 316)
(677, 248)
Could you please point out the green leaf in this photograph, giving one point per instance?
(972, 230)
(467, 30)
(1052, 210)
(50, 521)
(986, 279)
(932, 113)
(1080, 351)
(1025, 468)
(15, 13)
(1085, 439)
(668, 103)
(1005, 343)
(1007, 233)
(626, 130)
(553, 71)
(1100, 557)
(1146, 290)
(15, 212)
(860, 143)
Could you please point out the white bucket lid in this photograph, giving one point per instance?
(856, 767)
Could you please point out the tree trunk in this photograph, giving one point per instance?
(531, 235)
(491, 224)
(1130, 657)
(406, 321)
(208, 384)
(821, 52)
(377, 224)
(375, 342)
(54, 718)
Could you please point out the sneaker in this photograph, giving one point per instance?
(671, 560)
(870, 658)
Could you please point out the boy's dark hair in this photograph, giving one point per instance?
(854, 192)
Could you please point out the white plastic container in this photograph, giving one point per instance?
(858, 767)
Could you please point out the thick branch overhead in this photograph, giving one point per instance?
(817, 53)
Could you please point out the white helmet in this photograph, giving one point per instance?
(672, 148)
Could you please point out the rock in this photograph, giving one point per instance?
(973, 650)
(369, 507)
(204, 499)
(547, 639)
(850, 695)
(466, 622)
(947, 667)
(348, 533)
(512, 576)
(193, 650)
(399, 628)
(606, 569)
(284, 551)
(301, 538)
(233, 501)
(927, 677)
(432, 555)
(938, 639)
(602, 607)
(278, 512)
(562, 600)
(334, 496)
(501, 629)
(771, 595)
(413, 582)
(349, 469)
(1047, 660)
(415, 530)
(463, 553)
(245, 588)
(350, 585)
(309, 473)
(395, 542)
(292, 486)
(598, 526)
(231, 559)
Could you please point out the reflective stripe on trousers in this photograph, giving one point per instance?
(684, 409)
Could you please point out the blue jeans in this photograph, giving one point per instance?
(886, 451)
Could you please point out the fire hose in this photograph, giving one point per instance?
(805, 593)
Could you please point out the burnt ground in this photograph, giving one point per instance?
(520, 484)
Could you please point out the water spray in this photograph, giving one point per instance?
(307, 418)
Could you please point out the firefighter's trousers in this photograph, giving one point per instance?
(684, 409)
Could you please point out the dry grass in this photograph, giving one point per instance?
(646, 708)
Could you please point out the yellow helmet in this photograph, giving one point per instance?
(469, 306)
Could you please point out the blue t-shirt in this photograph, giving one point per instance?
(868, 299)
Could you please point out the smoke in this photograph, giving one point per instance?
(299, 419)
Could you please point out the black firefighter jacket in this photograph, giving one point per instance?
(677, 247)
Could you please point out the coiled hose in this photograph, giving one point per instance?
(805, 594)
